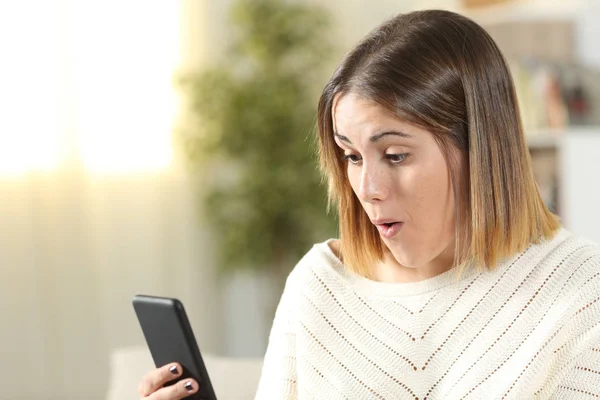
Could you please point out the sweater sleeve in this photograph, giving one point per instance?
(581, 377)
(278, 378)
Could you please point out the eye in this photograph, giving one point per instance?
(396, 158)
(352, 158)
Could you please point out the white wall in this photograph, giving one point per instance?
(588, 33)
(579, 182)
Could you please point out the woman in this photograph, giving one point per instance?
(451, 278)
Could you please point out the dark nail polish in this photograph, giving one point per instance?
(189, 387)
(174, 370)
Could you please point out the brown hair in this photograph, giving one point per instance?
(444, 73)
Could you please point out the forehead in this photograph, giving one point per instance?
(354, 116)
(349, 108)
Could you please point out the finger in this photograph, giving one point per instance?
(180, 390)
(155, 379)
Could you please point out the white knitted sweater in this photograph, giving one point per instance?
(528, 330)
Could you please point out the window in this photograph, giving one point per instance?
(88, 82)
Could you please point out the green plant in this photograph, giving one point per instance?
(255, 118)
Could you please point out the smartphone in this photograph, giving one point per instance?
(170, 338)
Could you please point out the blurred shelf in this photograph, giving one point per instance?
(523, 10)
(539, 140)
(550, 138)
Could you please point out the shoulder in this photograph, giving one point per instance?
(566, 253)
(575, 256)
(583, 270)
(567, 262)
(575, 263)
(569, 305)
(319, 268)
(321, 260)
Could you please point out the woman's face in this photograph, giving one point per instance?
(401, 178)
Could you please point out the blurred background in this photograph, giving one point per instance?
(163, 147)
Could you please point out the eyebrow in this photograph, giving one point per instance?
(377, 137)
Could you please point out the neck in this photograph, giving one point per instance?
(391, 271)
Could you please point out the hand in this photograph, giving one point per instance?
(151, 386)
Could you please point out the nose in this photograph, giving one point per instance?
(372, 187)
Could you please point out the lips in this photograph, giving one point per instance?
(387, 228)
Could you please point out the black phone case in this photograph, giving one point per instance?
(170, 338)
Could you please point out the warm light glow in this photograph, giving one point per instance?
(88, 81)
(127, 53)
(30, 103)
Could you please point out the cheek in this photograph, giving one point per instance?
(433, 193)
(354, 178)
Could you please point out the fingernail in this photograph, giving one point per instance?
(188, 386)
(174, 370)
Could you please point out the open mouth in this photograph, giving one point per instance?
(389, 229)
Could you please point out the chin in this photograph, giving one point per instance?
(406, 259)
